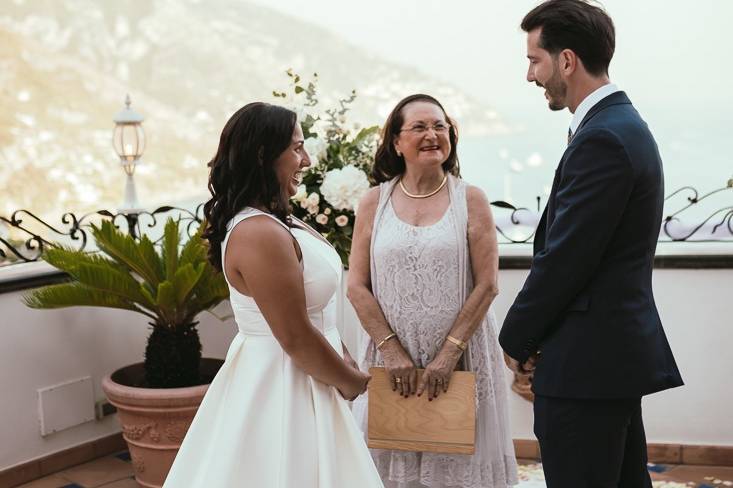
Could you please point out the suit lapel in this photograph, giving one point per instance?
(538, 242)
(616, 98)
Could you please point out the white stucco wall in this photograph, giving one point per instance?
(44, 348)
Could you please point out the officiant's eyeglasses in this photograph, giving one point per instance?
(419, 129)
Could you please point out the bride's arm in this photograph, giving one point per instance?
(484, 255)
(261, 251)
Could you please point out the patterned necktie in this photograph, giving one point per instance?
(570, 135)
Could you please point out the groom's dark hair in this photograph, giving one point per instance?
(585, 29)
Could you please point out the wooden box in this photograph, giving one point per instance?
(447, 424)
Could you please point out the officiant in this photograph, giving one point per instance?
(423, 275)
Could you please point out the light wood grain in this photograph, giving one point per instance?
(447, 424)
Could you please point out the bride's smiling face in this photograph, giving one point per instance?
(290, 164)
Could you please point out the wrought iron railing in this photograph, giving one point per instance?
(37, 234)
(514, 225)
(715, 225)
(696, 219)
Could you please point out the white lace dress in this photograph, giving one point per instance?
(421, 277)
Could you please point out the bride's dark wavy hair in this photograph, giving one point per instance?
(242, 173)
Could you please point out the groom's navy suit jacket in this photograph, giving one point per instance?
(587, 304)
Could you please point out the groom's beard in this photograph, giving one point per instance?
(557, 91)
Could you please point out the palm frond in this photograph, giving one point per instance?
(184, 281)
(124, 249)
(150, 257)
(208, 292)
(165, 299)
(74, 295)
(110, 280)
(169, 286)
(194, 251)
(68, 260)
(171, 240)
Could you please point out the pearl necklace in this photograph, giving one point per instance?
(412, 195)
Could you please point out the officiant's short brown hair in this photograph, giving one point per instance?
(577, 25)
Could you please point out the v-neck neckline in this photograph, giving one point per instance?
(305, 227)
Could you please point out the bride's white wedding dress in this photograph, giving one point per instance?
(266, 423)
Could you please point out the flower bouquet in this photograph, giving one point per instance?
(341, 160)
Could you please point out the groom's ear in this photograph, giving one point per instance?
(568, 61)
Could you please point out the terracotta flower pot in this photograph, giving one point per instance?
(154, 420)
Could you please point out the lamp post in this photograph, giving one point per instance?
(128, 140)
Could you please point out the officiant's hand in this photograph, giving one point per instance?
(401, 369)
(437, 374)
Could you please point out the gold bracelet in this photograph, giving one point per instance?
(379, 346)
(461, 345)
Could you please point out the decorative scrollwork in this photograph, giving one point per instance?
(716, 225)
(138, 462)
(519, 226)
(36, 235)
(696, 219)
(136, 432)
(176, 431)
(516, 227)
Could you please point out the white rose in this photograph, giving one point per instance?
(342, 220)
(301, 112)
(322, 219)
(320, 129)
(316, 148)
(300, 195)
(312, 209)
(343, 188)
(327, 211)
(313, 199)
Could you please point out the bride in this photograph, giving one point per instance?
(276, 415)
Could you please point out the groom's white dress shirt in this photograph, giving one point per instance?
(589, 102)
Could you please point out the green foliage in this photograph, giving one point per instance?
(340, 147)
(171, 286)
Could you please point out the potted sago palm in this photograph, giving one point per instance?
(170, 284)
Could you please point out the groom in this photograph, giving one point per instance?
(586, 321)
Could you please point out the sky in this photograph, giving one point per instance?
(667, 51)
(672, 58)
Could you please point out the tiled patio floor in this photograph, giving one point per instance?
(663, 476)
(116, 472)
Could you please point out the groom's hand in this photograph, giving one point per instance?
(529, 366)
(511, 363)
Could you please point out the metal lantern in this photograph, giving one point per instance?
(129, 142)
